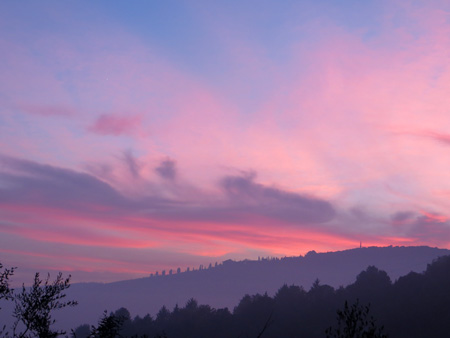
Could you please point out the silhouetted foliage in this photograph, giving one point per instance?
(416, 305)
(252, 313)
(5, 291)
(33, 307)
(117, 324)
(109, 326)
(82, 331)
(354, 322)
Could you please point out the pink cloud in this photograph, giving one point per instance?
(440, 137)
(108, 124)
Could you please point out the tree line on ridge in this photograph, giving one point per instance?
(416, 305)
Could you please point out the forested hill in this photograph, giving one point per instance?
(415, 306)
(225, 284)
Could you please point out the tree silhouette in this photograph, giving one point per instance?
(354, 322)
(5, 291)
(33, 307)
(109, 326)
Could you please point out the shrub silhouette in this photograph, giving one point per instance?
(109, 326)
(33, 306)
(354, 322)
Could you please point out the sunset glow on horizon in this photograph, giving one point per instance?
(146, 136)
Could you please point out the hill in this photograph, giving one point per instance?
(226, 284)
(415, 306)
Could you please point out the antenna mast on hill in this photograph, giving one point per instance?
(360, 244)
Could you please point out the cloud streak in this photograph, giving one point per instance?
(108, 124)
(254, 198)
(167, 169)
(439, 137)
(34, 184)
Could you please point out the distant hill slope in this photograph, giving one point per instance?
(226, 284)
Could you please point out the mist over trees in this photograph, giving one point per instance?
(224, 285)
(416, 305)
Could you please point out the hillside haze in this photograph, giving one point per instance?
(225, 284)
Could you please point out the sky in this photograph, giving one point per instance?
(144, 136)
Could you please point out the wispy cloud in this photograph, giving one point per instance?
(443, 138)
(167, 169)
(33, 184)
(249, 197)
(423, 226)
(108, 124)
(132, 164)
